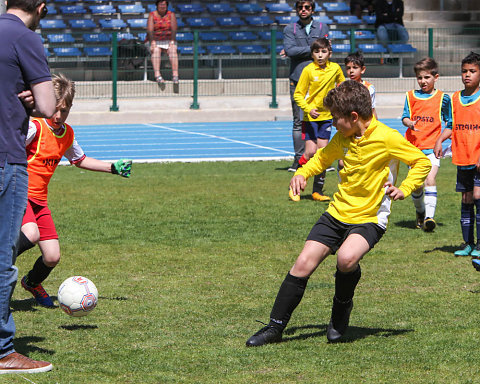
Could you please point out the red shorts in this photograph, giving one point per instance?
(40, 215)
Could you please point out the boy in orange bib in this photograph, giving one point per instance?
(425, 110)
(465, 134)
(48, 140)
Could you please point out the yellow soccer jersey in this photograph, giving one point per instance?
(370, 161)
(317, 82)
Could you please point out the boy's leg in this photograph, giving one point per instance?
(297, 137)
(319, 180)
(431, 195)
(467, 223)
(476, 201)
(418, 202)
(290, 293)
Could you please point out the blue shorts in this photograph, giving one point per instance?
(313, 130)
(467, 179)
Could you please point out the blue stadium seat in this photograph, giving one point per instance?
(212, 36)
(47, 52)
(336, 7)
(67, 51)
(125, 36)
(252, 49)
(62, 1)
(112, 23)
(258, 20)
(142, 36)
(71, 9)
(97, 51)
(180, 23)
(130, 8)
(347, 19)
(266, 35)
(189, 8)
(340, 47)
(82, 24)
(104, 9)
(242, 36)
(248, 8)
(200, 22)
(137, 23)
(52, 24)
(401, 48)
(323, 19)
(221, 49)
(96, 37)
(370, 20)
(60, 38)
(189, 50)
(230, 21)
(318, 7)
(363, 34)
(372, 48)
(278, 8)
(51, 10)
(184, 36)
(284, 20)
(335, 34)
(218, 8)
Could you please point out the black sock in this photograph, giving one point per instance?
(23, 244)
(289, 296)
(467, 222)
(345, 284)
(319, 182)
(38, 273)
(477, 218)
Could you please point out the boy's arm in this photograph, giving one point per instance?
(121, 167)
(406, 121)
(446, 134)
(401, 149)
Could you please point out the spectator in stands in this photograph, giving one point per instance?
(298, 37)
(358, 6)
(24, 72)
(161, 34)
(389, 22)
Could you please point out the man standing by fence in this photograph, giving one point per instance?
(297, 38)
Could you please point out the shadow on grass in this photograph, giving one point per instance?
(118, 298)
(446, 249)
(27, 305)
(77, 327)
(410, 224)
(353, 333)
(25, 345)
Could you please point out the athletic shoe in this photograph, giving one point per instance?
(330, 169)
(420, 220)
(339, 320)
(466, 250)
(292, 196)
(40, 295)
(17, 363)
(266, 335)
(293, 167)
(429, 224)
(476, 264)
(319, 197)
(476, 252)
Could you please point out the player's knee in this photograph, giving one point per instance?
(32, 234)
(347, 262)
(51, 260)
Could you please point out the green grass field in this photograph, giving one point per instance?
(186, 258)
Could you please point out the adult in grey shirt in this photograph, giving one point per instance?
(297, 39)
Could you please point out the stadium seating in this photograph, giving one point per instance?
(372, 48)
(248, 8)
(96, 37)
(67, 51)
(340, 48)
(230, 21)
(47, 53)
(97, 51)
(184, 36)
(52, 24)
(252, 49)
(363, 34)
(258, 20)
(189, 50)
(266, 35)
(219, 8)
(190, 8)
(212, 36)
(278, 7)
(51, 10)
(137, 23)
(130, 9)
(71, 9)
(323, 19)
(242, 36)
(370, 20)
(336, 7)
(401, 48)
(284, 20)
(223, 49)
(81, 24)
(200, 22)
(347, 19)
(60, 38)
(104, 9)
(336, 34)
(112, 23)
(125, 36)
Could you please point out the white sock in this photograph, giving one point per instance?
(430, 201)
(417, 197)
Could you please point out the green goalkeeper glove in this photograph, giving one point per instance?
(122, 167)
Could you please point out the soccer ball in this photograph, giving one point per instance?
(77, 296)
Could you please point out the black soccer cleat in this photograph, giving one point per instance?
(266, 335)
(339, 321)
(476, 264)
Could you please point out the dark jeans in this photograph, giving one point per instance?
(298, 143)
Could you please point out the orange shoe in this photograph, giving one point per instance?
(292, 196)
(318, 197)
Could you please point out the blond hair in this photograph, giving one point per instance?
(64, 89)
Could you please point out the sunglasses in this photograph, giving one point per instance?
(44, 12)
(307, 7)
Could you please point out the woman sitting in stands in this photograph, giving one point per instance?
(161, 34)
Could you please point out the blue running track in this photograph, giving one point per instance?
(191, 142)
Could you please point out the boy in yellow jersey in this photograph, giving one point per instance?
(357, 217)
(465, 134)
(316, 80)
(425, 110)
(47, 141)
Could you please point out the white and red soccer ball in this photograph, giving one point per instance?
(77, 296)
